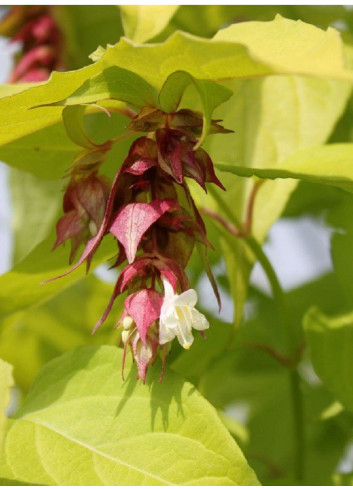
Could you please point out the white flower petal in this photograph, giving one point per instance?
(165, 333)
(168, 292)
(179, 316)
(199, 320)
(184, 336)
(187, 298)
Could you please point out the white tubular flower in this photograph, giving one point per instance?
(179, 316)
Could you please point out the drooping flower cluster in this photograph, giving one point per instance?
(41, 42)
(151, 213)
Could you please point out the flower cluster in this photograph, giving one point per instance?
(41, 42)
(151, 213)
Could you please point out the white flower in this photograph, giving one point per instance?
(179, 316)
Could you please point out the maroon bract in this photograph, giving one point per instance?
(177, 157)
(85, 201)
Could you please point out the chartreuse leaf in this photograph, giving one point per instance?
(238, 52)
(74, 126)
(229, 56)
(6, 382)
(82, 425)
(330, 164)
(21, 287)
(143, 22)
(113, 83)
(211, 96)
(46, 153)
(261, 37)
(49, 152)
(31, 338)
(265, 136)
(331, 341)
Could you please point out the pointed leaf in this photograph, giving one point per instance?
(80, 413)
(113, 83)
(330, 164)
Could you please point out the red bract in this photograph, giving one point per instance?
(36, 58)
(41, 42)
(144, 307)
(146, 266)
(143, 353)
(133, 220)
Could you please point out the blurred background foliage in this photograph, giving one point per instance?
(240, 378)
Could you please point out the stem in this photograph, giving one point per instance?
(237, 229)
(298, 423)
(294, 378)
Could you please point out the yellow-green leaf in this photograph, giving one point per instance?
(80, 413)
(143, 22)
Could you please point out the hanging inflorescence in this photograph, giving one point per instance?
(152, 215)
(40, 38)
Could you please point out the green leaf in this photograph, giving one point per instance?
(85, 27)
(46, 153)
(238, 261)
(264, 136)
(193, 364)
(341, 251)
(21, 288)
(330, 165)
(276, 44)
(241, 54)
(331, 341)
(113, 83)
(211, 95)
(255, 385)
(33, 337)
(74, 126)
(35, 206)
(143, 22)
(79, 410)
(206, 20)
(6, 382)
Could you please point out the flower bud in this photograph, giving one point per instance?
(127, 323)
